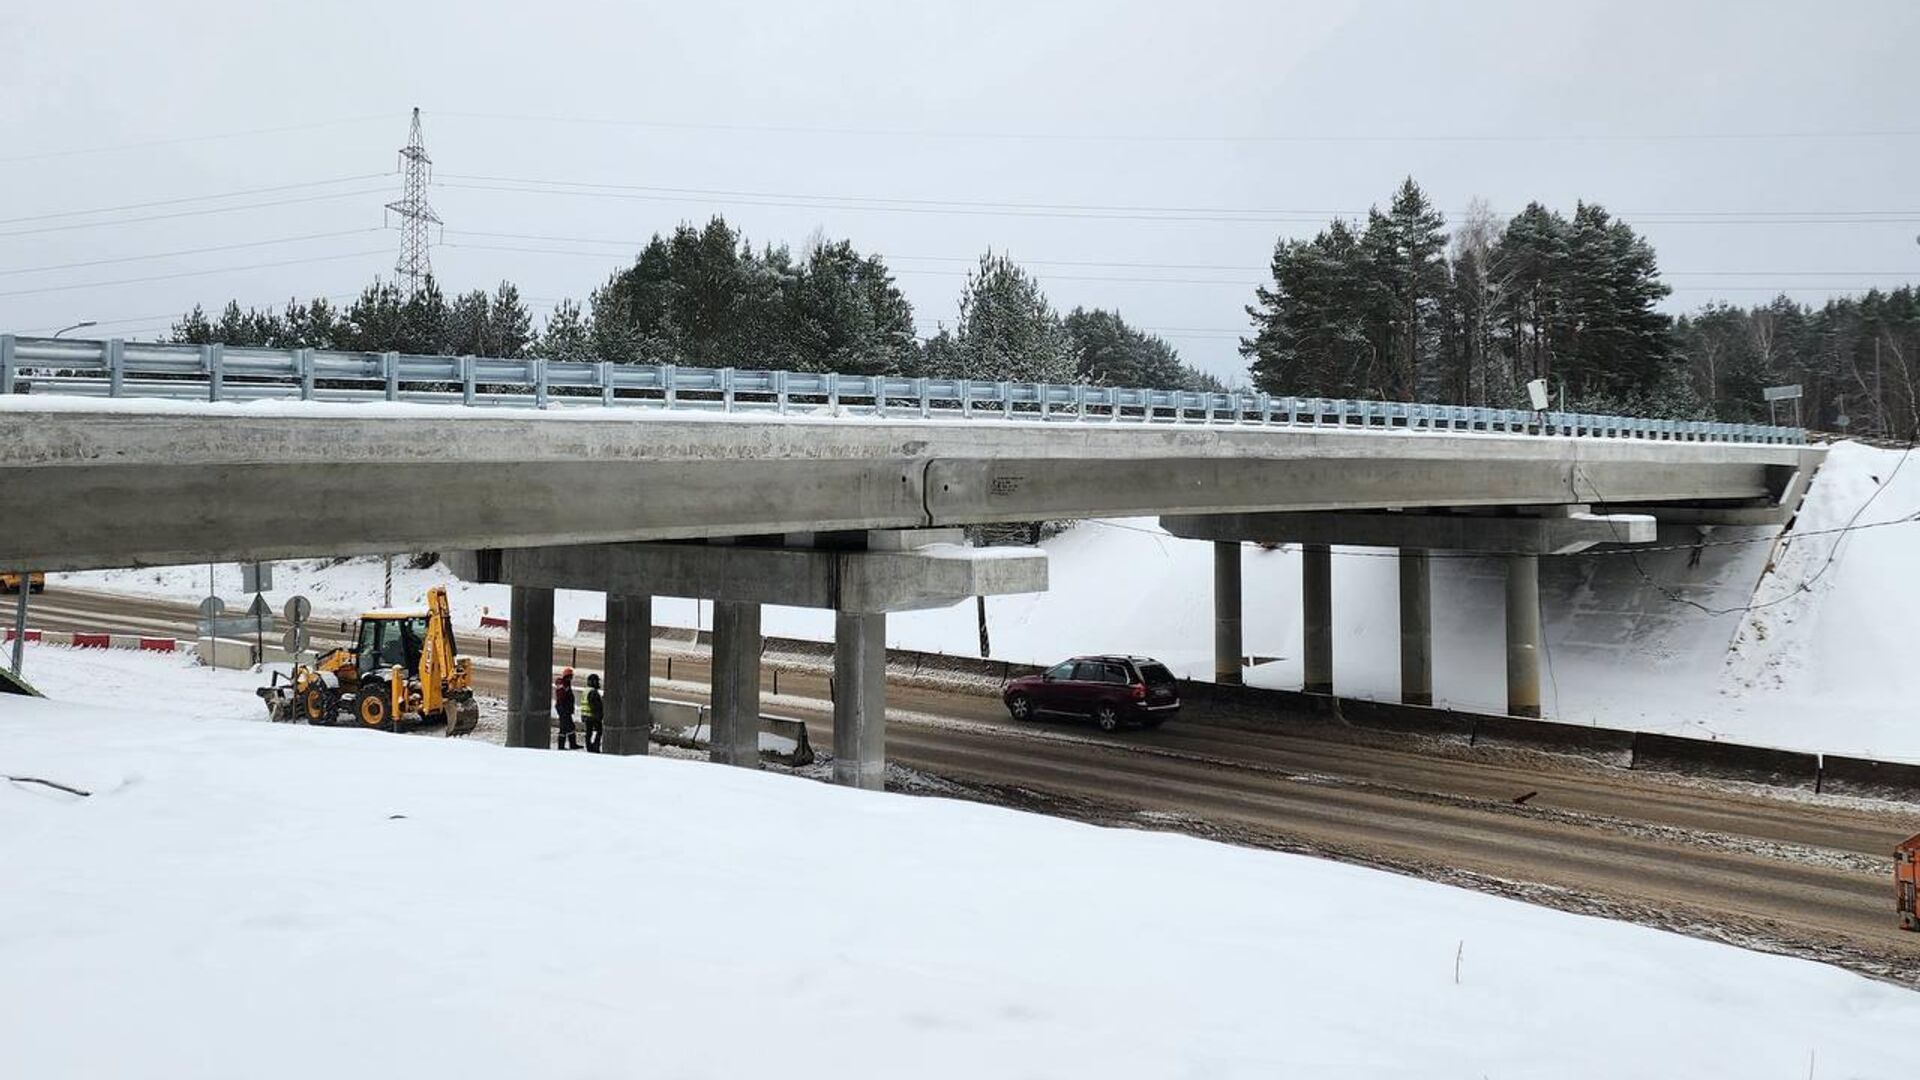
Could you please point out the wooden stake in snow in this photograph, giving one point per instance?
(1457, 954)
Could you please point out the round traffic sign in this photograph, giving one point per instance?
(297, 609)
(294, 640)
(211, 607)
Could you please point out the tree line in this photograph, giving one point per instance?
(1401, 308)
(705, 296)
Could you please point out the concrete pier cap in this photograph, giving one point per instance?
(876, 572)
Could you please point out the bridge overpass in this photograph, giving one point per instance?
(817, 490)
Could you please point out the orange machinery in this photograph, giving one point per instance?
(1906, 882)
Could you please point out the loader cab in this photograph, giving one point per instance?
(389, 638)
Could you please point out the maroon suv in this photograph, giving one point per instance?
(1113, 690)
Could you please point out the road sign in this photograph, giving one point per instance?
(297, 609)
(295, 640)
(256, 577)
(259, 608)
(211, 607)
(241, 626)
(1781, 393)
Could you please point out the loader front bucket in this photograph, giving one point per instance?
(463, 715)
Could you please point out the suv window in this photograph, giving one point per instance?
(1155, 674)
(1061, 671)
(1116, 674)
(1089, 671)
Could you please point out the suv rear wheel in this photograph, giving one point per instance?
(1107, 717)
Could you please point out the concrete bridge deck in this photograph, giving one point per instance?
(94, 483)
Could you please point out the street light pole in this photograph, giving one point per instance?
(76, 326)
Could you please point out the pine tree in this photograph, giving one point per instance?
(1006, 329)
(566, 336)
(1312, 327)
(1407, 277)
(1108, 352)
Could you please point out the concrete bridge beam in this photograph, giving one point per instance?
(1523, 635)
(1416, 627)
(530, 667)
(1228, 645)
(860, 700)
(1316, 594)
(629, 676)
(736, 685)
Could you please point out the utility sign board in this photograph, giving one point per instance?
(256, 577)
(1781, 393)
(236, 626)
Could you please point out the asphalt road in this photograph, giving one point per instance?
(1785, 872)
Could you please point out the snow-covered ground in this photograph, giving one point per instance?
(240, 899)
(1828, 669)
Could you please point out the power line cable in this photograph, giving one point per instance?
(191, 273)
(1081, 135)
(191, 213)
(145, 144)
(194, 198)
(1092, 211)
(193, 251)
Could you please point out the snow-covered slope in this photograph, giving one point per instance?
(1628, 642)
(244, 899)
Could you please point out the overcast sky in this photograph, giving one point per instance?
(930, 133)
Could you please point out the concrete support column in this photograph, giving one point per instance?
(1316, 592)
(1228, 646)
(629, 681)
(1416, 627)
(860, 700)
(530, 667)
(736, 685)
(1523, 635)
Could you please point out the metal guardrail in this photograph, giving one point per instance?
(128, 369)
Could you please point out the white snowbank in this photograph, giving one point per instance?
(239, 899)
(1827, 670)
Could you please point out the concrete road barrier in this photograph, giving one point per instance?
(1869, 779)
(783, 739)
(1611, 745)
(1726, 761)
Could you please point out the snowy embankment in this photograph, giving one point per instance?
(1825, 670)
(235, 899)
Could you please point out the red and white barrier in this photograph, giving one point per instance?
(82, 639)
(493, 622)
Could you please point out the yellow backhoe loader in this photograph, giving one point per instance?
(402, 669)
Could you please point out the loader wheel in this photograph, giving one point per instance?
(372, 706)
(319, 706)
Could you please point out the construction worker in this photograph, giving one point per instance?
(563, 708)
(590, 714)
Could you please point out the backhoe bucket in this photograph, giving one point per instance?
(463, 715)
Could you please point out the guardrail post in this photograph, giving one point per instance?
(1005, 389)
(214, 359)
(467, 388)
(303, 361)
(606, 383)
(726, 389)
(926, 403)
(8, 365)
(966, 398)
(539, 384)
(668, 391)
(116, 366)
(780, 392)
(879, 385)
(1046, 406)
(390, 366)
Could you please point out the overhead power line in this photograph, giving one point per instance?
(204, 211)
(192, 273)
(192, 198)
(145, 144)
(1078, 134)
(191, 251)
(1086, 211)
